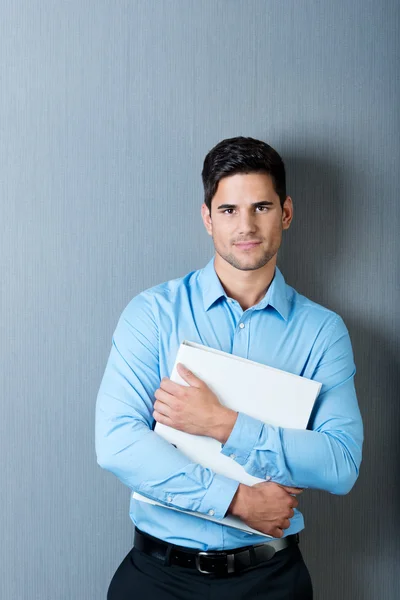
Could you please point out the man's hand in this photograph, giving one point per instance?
(265, 506)
(194, 408)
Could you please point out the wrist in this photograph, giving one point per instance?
(237, 507)
(223, 424)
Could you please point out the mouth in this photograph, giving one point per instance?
(247, 245)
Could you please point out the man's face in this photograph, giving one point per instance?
(247, 220)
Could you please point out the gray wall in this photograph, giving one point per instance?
(106, 112)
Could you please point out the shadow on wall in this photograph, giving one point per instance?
(349, 541)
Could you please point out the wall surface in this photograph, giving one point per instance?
(107, 110)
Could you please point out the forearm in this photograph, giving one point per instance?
(325, 460)
(307, 459)
(126, 445)
(327, 455)
(148, 464)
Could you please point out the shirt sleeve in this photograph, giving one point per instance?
(126, 444)
(327, 455)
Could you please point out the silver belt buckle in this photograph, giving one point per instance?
(229, 557)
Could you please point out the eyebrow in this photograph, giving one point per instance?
(254, 204)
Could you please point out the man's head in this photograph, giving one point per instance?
(245, 201)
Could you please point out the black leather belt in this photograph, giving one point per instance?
(211, 562)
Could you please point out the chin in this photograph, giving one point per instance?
(245, 265)
(238, 260)
(251, 267)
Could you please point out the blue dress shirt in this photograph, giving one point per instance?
(284, 330)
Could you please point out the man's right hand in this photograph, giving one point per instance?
(265, 506)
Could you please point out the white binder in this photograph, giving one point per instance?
(270, 395)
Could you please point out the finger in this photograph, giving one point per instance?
(162, 409)
(291, 513)
(162, 418)
(175, 389)
(277, 532)
(188, 376)
(285, 524)
(292, 490)
(165, 397)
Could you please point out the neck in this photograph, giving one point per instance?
(247, 287)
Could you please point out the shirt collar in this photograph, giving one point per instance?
(276, 295)
(210, 284)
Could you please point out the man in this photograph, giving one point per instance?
(238, 303)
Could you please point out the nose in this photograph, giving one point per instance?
(247, 223)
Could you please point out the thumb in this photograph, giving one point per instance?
(292, 490)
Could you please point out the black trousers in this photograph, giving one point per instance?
(283, 577)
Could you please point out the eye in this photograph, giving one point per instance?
(226, 210)
(264, 208)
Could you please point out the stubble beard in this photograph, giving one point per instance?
(245, 266)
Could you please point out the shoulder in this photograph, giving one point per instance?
(322, 320)
(164, 294)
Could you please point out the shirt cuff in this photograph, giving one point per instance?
(243, 438)
(218, 497)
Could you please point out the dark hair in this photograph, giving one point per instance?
(242, 155)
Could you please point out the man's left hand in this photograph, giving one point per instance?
(194, 408)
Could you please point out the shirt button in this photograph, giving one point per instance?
(268, 478)
(232, 456)
(211, 512)
(169, 498)
(241, 325)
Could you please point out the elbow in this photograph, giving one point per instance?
(109, 455)
(108, 443)
(100, 450)
(346, 460)
(118, 446)
(105, 454)
(103, 462)
(344, 484)
(110, 461)
(104, 458)
(344, 480)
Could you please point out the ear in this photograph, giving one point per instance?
(205, 215)
(287, 213)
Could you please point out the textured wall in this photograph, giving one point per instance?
(106, 112)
